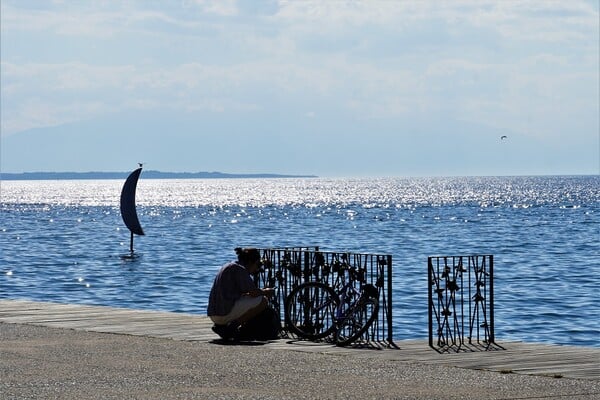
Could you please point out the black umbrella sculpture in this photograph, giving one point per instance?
(128, 211)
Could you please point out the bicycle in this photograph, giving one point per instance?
(314, 310)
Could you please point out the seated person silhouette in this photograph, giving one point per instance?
(234, 298)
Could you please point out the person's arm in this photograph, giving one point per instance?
(260, 292)
(247, 286)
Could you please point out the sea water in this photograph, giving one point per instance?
(62, 241)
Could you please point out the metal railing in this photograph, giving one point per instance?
(286, 268)
(461, 302)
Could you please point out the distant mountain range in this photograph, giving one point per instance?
(31, 176)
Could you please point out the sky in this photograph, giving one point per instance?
(330, 88)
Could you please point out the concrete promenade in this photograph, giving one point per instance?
(62, 351)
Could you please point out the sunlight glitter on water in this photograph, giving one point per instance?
(518, 192)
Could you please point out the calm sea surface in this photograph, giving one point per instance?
(62, 241)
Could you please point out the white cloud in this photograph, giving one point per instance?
(222, 7)
(484, 61)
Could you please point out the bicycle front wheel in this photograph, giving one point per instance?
(356, 321)
(310, 310)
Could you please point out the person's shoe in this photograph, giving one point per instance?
(227, 332)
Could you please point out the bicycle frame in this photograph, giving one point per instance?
(349, 297)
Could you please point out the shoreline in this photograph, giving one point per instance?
(150, 174)
(422, 339)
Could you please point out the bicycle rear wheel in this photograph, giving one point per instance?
(310, 310)
(357, 321)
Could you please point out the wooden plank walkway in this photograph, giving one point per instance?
(514, 357)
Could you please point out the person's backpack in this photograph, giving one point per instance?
(265, 326)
